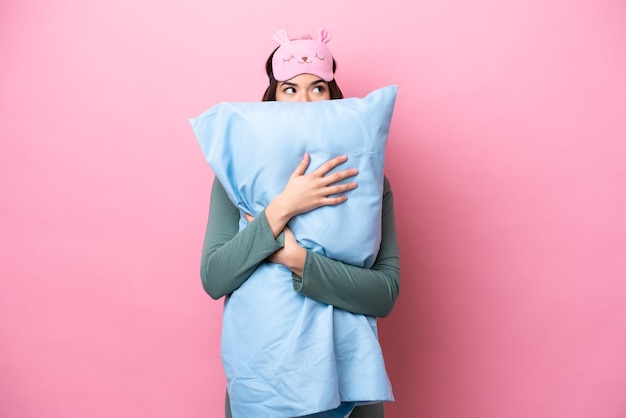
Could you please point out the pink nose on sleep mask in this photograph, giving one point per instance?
(302, 56)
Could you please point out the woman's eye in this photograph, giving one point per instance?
(290, 90)
(318, 89)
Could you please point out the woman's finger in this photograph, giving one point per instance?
(340, 175)
(340, 188)
(302, 166)
(323, 169)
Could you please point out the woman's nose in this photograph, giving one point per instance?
(304, 97)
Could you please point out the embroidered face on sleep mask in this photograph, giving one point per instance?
(302, 56)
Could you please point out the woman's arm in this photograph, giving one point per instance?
(229, 257)
(366, 291)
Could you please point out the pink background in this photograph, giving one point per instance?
(507, 156)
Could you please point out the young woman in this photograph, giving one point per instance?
(230, 256)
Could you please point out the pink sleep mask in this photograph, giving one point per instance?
(302, 56)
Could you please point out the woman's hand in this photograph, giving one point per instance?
(292, 255)
(305, 192)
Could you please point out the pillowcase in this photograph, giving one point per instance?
(253, 147)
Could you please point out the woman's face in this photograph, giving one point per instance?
(302, 88)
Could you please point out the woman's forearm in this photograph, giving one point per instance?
(366, 291)
(229, 257)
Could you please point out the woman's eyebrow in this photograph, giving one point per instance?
(288, 83)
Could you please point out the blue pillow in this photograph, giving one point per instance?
(285, 354)
(254, 147)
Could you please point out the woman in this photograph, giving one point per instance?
(230, 256)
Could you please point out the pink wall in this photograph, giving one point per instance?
(507, 156)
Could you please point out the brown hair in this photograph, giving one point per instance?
(270, 92)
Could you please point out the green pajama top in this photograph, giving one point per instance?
(230, 256)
